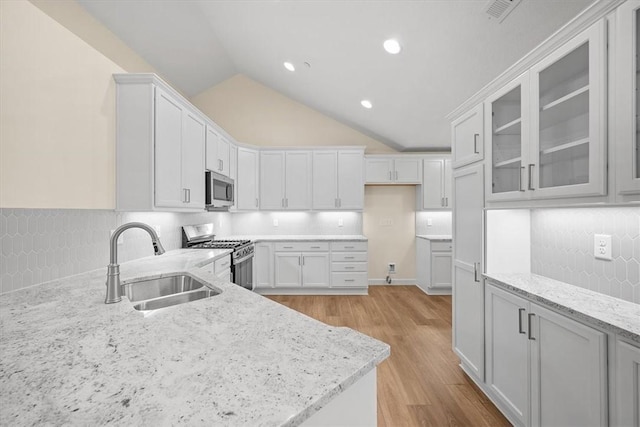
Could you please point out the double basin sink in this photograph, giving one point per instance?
(153, 294)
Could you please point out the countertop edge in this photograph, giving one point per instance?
(559, 306)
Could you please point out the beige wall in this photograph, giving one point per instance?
(57, 108)
(389, 223)
(255, 114)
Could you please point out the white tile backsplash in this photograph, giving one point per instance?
(440, 222)
(563, 248)
(38, 245)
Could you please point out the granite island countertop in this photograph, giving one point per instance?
(613, 314)
(235, 359)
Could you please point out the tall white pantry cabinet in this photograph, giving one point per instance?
(561, 127)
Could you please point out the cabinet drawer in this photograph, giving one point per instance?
(222, 264)
(349, 266)
(348, 246)
(349, 256)
(345, 280)
(441, 246)
(301, 246)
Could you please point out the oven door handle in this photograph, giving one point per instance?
(243, 259)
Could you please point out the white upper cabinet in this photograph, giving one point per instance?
(337, 180)
(285, 180)
(507, 133)
(627, 95)
(435, 192)
(247, 180)
(380, 169)
(218, 152)
(467, 138)
(568, 119)
(159, 148)
(546, 130)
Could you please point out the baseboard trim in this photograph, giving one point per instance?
(399, 282)
(435, 291)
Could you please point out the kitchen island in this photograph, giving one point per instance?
(233, 359)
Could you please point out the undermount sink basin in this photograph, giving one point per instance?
(162, 292)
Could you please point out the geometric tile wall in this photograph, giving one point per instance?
(38, 245)
(562, 248)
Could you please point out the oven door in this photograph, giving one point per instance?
(242, 272)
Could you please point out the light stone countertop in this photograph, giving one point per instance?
(301, 238)
(613, 314)
(434, 236)
(236, 359)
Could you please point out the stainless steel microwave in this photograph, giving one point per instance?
(219, 191)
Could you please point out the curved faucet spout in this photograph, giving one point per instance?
(114, 290)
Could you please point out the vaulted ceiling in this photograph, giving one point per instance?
(450, 49)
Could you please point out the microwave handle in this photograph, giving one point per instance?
(230, 193)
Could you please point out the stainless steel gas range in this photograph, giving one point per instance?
(202, 237)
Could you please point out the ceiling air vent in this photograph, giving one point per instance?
(499, 9)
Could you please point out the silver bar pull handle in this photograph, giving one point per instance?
(299, 262)
(475, 143)
(520, 311)
(529, 323)
(475, 272)
(184, 195)
(189, 194)
(520, 181)
(446, 201)
(442, 201)
(531, 176)
(302, 259)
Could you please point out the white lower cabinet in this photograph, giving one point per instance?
(312, 267)
(627, 389)
(433, 266)
(543, 368)
(301, 264)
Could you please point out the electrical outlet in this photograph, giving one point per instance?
(120, 237)
(602, 246)
(429, 222)
(392, 268)
(386, 222)
(275, 222)
(340, 222)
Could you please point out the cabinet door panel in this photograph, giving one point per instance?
(272, 180)
(288, 269)
(315, 269)
(223, 156)
(627, 69)
(211, 162)
(568, 120)
(467, 138)
(298, 180)
(508, 351)
(627, 412)
(350, 180)
(193, 141)
(168, 152)
(408, 171)
(468, 288)
(262, 263)
(568, 372)
(448, 199)
(432, 187)
(379, 170)
(440, 270)
(325, 180)
(247, 181)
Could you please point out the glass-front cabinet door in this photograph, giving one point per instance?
(568, 116)
(627, 115)
(507, 131)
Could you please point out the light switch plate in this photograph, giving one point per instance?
(602, 246)
(340, 222)
(275, 222)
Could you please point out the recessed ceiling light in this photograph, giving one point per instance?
(366, 104)
(289, 66)
(392, 46)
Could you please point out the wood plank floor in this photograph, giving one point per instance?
(420, 384)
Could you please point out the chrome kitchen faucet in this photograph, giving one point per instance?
(114, 290)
